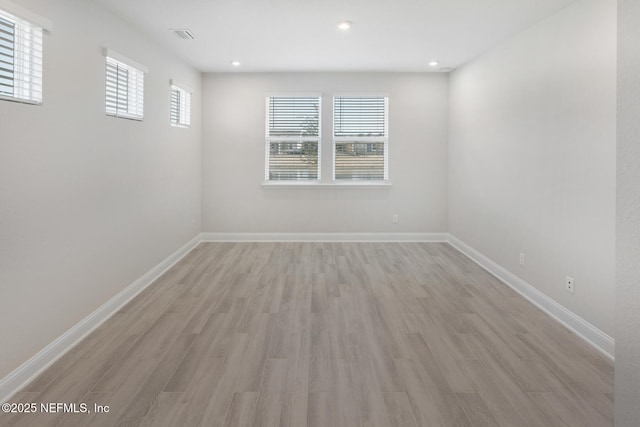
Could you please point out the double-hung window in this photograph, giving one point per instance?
(180, 109)
(124, 95)
(360, 137)
(293, 138)
(20, 58)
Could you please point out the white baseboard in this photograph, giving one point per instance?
(592, 335)
(26, 372)
(325, 237)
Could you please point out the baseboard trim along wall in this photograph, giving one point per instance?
(26, 372)
(325, 237)
(47, 356)
(592, 335)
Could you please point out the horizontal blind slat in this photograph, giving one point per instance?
(7, 42)
(359, 116)
(293, 160)
(362, 161)
(293, 116)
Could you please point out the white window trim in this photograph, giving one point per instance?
(125, 60)
(283, 183)
(179, 84)
(350, 185)
(383, 139)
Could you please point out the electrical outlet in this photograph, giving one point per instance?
(394, 219)
(521, 259)
(571, 285)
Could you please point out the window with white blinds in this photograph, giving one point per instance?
(180, 109)
(20, 59)
(360, 136)
(293, 138)
(124, 87)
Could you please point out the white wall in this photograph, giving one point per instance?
(88, 203)
(628, 218)
(234, 156)
(532, 156)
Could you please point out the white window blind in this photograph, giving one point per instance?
(124, 89)
(360, 133)
(293, 138)
(180, 109)
(20, 59)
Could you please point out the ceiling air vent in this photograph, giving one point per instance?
(184, 34)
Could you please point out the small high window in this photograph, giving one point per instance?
(180, 109)
(20, 59)
(124, 95)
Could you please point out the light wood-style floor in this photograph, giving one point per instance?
(328, 334)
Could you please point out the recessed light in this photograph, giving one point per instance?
(433, 63)
(344, 25)
(235, 63)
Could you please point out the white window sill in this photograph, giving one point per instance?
(19, 100)
(363, 185)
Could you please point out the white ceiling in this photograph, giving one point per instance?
(301, 35)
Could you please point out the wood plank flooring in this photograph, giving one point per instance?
(323, 335)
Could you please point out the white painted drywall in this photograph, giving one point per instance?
(234, 156)
(88, 203)
(532, 156)
(627, 380)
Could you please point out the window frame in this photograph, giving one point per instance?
(377, 139)
(125, 63)
(269, 139)
(182, 91)
(29, 30)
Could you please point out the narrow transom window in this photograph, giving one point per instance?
(360, 136)
(180, 110)
(124, 87)
(20, 59)
(292, 138)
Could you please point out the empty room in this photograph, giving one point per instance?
(320, 213)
